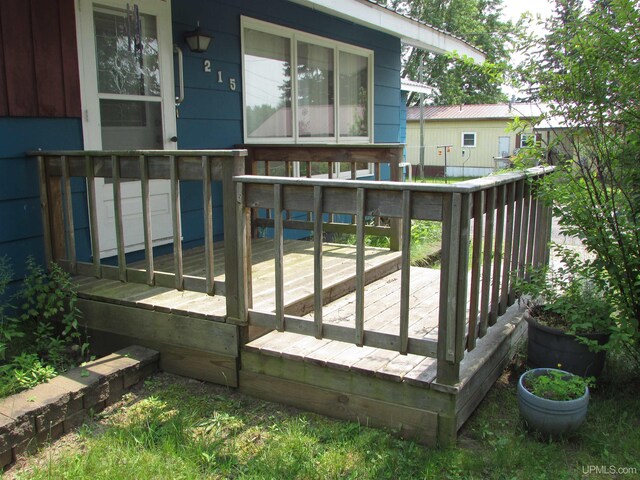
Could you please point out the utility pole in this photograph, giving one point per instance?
(421, 170)
(447, 149)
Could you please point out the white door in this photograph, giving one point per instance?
(504, 146)
(126, 67)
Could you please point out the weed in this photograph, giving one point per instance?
(42, 336)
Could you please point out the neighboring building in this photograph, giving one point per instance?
(77, 74)
(467, 140)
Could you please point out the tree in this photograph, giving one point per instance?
(455, 80)
(586, 69)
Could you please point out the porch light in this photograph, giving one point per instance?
(198, 42)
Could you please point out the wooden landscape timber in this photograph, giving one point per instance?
(349, 331)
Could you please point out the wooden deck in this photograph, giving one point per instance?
(377, 387)
(191, 328)
(349, 331)
(339, 279)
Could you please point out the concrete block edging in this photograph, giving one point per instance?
(47, 411)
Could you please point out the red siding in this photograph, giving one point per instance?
(40, 66)
(18, 57)
(4, 107)
(69, 50)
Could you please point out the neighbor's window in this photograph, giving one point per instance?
(329, 98)
(527, 140)
(469, 139)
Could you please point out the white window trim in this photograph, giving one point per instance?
(475, 139)
(524, 137)
(294, 36)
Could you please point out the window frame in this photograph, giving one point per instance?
(475, 139)
(524, 138)
(294, 36)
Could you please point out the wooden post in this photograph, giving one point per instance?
(448, 369)
(146, 219)
(476, 267)
(230, 169)
(68, 210)
(117, 204)
(176, 220)
(532, 230)
(243, 255)
(494, 310)
(508, 244)
(405, 279)
(360, 248)
(395, 238)
(208, 224)
(278, 240)
(524, 232)
(45, 209)
(517, 233)
(462, 275)
(486, 261)
(93, 216)
(317, 259)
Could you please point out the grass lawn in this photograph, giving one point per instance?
(176, 428)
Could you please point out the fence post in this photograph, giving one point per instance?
(395, 237)
(448, 370)
(234, 224)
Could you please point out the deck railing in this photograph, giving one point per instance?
(57, 170)
(499, 218)
(330, 161)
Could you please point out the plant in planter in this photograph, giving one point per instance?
(569, 320)
(553, 401)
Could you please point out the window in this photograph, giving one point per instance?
(469, 139)
(303, 88)
(528, 140)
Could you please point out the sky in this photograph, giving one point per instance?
(514, 8)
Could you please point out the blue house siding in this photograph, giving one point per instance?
(210, 117)
(20, 218)
(211, 114)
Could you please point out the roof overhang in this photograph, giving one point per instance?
(410, 32)
(411, 86)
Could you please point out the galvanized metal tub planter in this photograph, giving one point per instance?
(547, 416)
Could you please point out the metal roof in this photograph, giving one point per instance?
(410, 31)
(494, 111)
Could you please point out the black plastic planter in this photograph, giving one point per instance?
(549, 347)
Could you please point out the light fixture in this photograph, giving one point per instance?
(198, 42)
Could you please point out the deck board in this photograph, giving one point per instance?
(338, 272)
(382, 313)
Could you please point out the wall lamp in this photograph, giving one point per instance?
(198, 42)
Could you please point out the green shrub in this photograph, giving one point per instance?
(42, 336)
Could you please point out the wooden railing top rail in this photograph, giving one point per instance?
(136, 153)
(375, 153)
(158, 163)
(470, 186)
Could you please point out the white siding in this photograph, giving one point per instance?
(450, 133)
